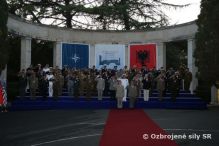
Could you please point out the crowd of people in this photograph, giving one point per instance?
(114, 83)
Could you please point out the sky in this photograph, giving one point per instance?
(183, 15)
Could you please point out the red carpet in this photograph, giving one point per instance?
(126, 128)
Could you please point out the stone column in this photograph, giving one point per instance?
(127, 56)
(92, 58)
(161, 55)
(57, 54)
(191, 64)
(25, 52)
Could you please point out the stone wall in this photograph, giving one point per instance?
(51, 33)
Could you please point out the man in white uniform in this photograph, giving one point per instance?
(50, 78)
(125, 83)
(46, 69)
(100, 86)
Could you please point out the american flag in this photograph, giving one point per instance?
(3, 95)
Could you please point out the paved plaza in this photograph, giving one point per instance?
(85, 127)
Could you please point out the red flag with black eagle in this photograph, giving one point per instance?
(3, 96)
(143, 55)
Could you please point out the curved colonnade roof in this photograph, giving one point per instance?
(51, 33)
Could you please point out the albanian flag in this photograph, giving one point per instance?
(3, 96)
(143, 55)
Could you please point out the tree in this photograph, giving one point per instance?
(94, 14)
(3, 34)
(176, 54)
(40, 47)
(207, 47)
(135, 14)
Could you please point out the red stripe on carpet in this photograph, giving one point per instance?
(126, 128)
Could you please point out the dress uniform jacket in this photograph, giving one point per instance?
(100, 83)
(120, 91)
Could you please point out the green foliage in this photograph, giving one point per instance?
(14, 49)
(13, 65)
(176, 53)
(97, 14)
(44, 50)
(3, 34)
(207, 44)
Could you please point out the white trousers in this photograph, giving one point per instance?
(50, 89)
(146, 95)
(125, 95)
(100, 94)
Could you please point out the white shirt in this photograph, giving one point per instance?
(46, 70)
(49, 77)
(125, 82)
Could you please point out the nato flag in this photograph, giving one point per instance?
(75, 55)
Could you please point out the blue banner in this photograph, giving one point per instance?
(75, 55)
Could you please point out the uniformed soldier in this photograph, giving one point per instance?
(106, 77)
(22, 81)
(61, 83)
(112, 84)
(132, 93)
(88, 86)
(125, 83)
(120, 92)
(83, 83)
(76, 86)
(138, 83)
(147, 83)
(56, 83)
(100, 86)
(175, 82)
(70, 84)
(93, 77)
(50, 78)
(160, 86)
(33, 85)
(43, 86)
